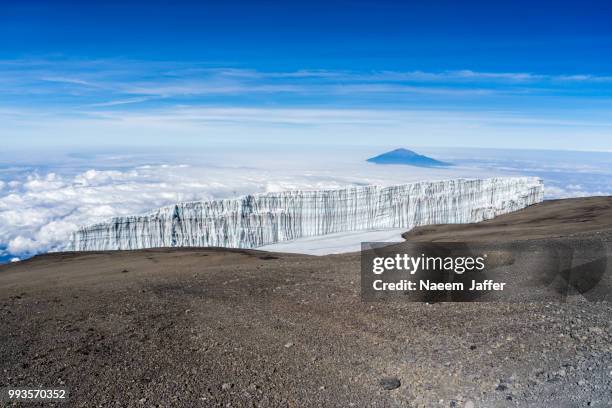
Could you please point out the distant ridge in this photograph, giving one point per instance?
(407, 157)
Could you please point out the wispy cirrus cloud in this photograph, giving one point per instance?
(65, 80)
(127, 101)
(121, 102)
(129, 82)
(196, 125)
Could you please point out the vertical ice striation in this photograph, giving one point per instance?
(256, 220)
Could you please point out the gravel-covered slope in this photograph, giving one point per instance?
(211, 327)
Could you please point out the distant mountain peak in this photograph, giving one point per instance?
(407, 157)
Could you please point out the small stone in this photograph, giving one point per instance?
(142, 400)
(226, 386)
(596, 330)
(253, 387)
(390, 383)
(501, 387)
(288, 345)
(469, 404)
(581, 383)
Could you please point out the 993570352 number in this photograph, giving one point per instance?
(34, 394)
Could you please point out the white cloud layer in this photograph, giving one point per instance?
(39, 209)
(38, 212)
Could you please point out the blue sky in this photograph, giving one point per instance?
(159, 73)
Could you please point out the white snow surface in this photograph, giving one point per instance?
(338, 243)
(257, 220)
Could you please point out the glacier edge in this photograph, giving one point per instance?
(261, 219)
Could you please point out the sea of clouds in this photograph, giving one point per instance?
(42, 201)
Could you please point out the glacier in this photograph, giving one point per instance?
(256, 220)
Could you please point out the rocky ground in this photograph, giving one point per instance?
(212, 327)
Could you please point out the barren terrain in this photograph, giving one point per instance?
(215, 327)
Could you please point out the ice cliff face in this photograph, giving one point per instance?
(257, 220)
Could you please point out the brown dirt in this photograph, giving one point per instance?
(215, 327)
(554, 218)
